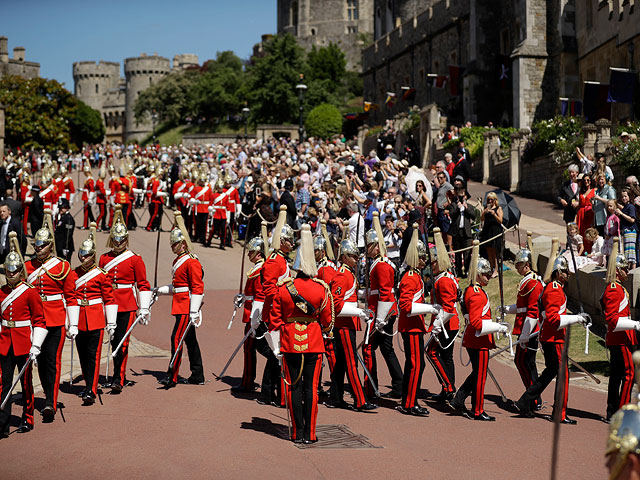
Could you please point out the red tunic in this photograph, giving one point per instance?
(233, 199)
(125, 276)
(554, 304)
(93, 291)
(101, 193)
(121, 187)
(411, 290)
(220, 203)
(180, 187)
(153, 191)
(89, 187)
(478, 309)
(252, 289)
(301, 332)
(55, 284)
(326, 271)
(445, 294)
(49, 196)
(615, 304)
(68, 187)
(344, 289)
(187, 279)
(275, 270)
(203, 195)
(381, 285)
(529, 292)
(26, 307)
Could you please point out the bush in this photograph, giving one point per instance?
(323, 121)
(627, 155)
(558, 135)
(374, 131)
(472, 138)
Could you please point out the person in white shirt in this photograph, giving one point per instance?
(356, 225)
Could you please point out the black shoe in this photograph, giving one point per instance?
(537, 407)
(392, 394)
(569, 421)
(298, 441)
(195, 381)
(340, 404)
(88, 398)
(169, 385)
(458, 406)
(207, 245)
(221, 247)
(165, 380)
(273, 403)
(48, 414)
(442, 397)
(366, 407)
(309, 442)
(5, 433)
(241, 389)
(116, 388)
(25, 427)
(483, 417)
(419, 411)
(523, 409)
(606, 419)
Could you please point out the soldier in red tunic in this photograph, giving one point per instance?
(382, 302)
(478, 338)
(411, 324)
(97, 311)
(255, 249)
(326, 272)
(21, 336)
(199, 205)
(302, 310)
(552, 335)
(344, 289)
(88, 197)
(101, 200)
(187, 288)
(126, 272)
(621, 330)
(156, 196)
(526, 322)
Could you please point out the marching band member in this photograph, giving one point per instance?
(51, 277)
(97, 311)
(382, 302)
(344, 289)
(478, 338)
(620, 339)
(88, 197)
(445, 292)
(187, 288)
(552, 334)
(21, 336)
(302, 310)
(126, 272)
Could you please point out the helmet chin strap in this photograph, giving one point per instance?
(44, 254)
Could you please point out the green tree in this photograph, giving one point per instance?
(327, 63)
(324, 121)
(86, 125)
(172, 97)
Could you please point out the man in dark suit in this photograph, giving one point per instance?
(14, 205)
(8, 224)
(287, 199)
(36, 210)
(568, 196)
(463, 167)
(465, 152)
(462, 216)
(65, 225)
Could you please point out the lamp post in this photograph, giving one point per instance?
(245, 116)
(302, 88)
(154, 121)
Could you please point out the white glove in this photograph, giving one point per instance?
(382, 312)
(489, 327)
(364, 315)
(273, 339)
(566, 320)
(507, 310)
(528, 326)
(350, 309)
(195, 314)
(256, 314)
(195, 318)
(238, 300)
(111, 312)
(625, 323)
(380, 323)
(192, 201)
(504, 328)
(586, 320)
(164, 290)
(144, 313)
(422, 308)
(211, 209)
(437, 325)
(73, 315)
(38, 334)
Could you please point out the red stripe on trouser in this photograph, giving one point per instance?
(523, 370)
(153, 215)
(483, 364)
(414, 375)
(287, 375)
(330, 352)
(25, 220)
(27, 394)
(283, 388)
(432, 355)
(184, 322)
(314, 410)
(111, 212)
(627, 377)
(100, 214)
(352, 368)
(96, 365)
(56, 383)
(367, 356)
(565, 396)
(85, 223)
(124, 350)
(249, 369)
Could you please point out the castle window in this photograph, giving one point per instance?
(313, 31)
(293, 14)
(352, 9)
(97, 88)
(352, 29)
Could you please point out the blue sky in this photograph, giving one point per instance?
(58, 33)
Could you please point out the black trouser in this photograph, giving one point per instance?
(193, 350)
(525, 360)
(201, 227)
(88, 215)
(413, 367)
(49, 364)
(385, 343)
(302, 396)
(89, 346)
(8, 364)
(459, 240)
(131, 217)
(620, 377)
(441, 360)
(124, 320)
(271, 374)
(346, 362)
(102, 216)
(475, 382)
(155, 216)
(187, 218)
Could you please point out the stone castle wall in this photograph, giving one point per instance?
(18, 65)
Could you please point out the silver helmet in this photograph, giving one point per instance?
(87, 247)
(484, 267)
(287, 234)
(176, 236)
(560, 265)
(422, 250)
(13, 262)
(43, 237)
(621, 262)
(256, 244)
(524, 256)
(624, 436)
(347, 247)
(119, 232)
(319, 243)
(371, 237)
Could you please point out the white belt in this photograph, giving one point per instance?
(180, 289)
(351, 304)
(521, 310)
(19, 323)
(624, 318)
(86, 303)
(51, 298)
(373, 292)
(248, 298)
(118, 286)
(218, 208)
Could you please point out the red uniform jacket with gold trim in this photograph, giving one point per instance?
(57, 280)
(153, 188)
(554, 304)
(97, 287)
(189, 274)
(301, 332)
(89, 187)
(411, 289)
(529, 292)
(101, 193)
(615, 304)
(274, 270)
(445, 294)
(26, 307)
(233, 200)
(344, 289)
(478, 309)
(121, 186)
(128, 272)
(381, 285)
(180, 187)
(326, 271)
(252, 289)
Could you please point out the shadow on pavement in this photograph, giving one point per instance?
(264, 425)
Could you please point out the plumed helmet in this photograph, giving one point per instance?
(88, 246)
(176, 236)
(484, 267)
(43, 237)
(287, 233)
(102, 173)
(347, 247)
(86, 169)
(524, 256)
(13, 262)
(560, 264)
(319, 243)
(624, 436)
(256, 244)
(159, 172)
(621, 262)
(422, 250)
(371, 237)
(119, 232)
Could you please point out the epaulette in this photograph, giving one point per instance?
(28, 284)
(613, 284)
(273, 255)
(321, 282)
(476, 288)
(192, 255)
(343, 269)
(410, 273)
(286, 280)
(555, 284)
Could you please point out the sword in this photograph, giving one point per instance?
(115, 352)
(238, 300)
(286, 397)
(71, 372)
(184, 335)
(233, 355)
(500, 350)
(15, 382)
(366, 371)
(575, 272)
(504, 397)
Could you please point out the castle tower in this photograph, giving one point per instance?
(140, 73)
(93, 80)
(184, 61)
